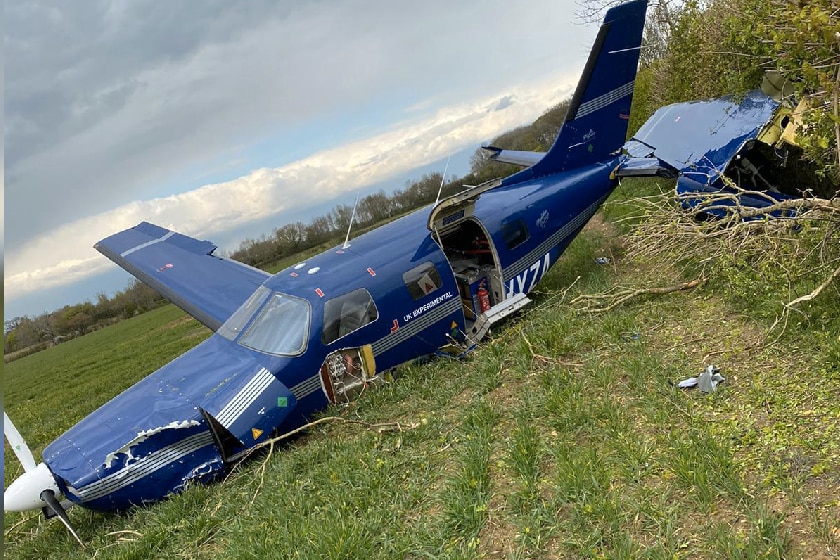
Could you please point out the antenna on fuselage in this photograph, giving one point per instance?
(350, 225)
(442, 179)
(437, 198)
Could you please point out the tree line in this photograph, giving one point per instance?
(25, 335)
(374, 208)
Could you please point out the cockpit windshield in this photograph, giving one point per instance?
(281, 327)
(236, 322)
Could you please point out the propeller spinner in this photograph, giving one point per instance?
(36, 487)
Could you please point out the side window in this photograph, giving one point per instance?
(347, 313)
(515, 233)
(422, 280)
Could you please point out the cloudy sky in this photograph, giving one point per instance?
(209, 117)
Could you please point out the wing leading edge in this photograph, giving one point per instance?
(184, 271)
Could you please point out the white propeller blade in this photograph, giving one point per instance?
(36, 486)
(19, 446)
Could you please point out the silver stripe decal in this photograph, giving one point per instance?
(603, 100)
(413, 327)
(147, 244)
(245, 398)
(523, 263)
(144, 467)
(307, 387)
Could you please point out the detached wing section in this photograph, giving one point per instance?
(184, 271)
(700, 138)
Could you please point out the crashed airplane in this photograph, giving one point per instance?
(287, 345)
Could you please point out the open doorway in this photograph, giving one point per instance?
(473, 259)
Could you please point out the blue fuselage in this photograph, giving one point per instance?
(186, 421)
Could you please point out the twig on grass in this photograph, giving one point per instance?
(540, 357)
(262, 475)
(380, 427)
(816, 291)
(600, 303)
(21, 522)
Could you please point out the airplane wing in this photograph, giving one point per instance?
(184, 271)
(700, 138)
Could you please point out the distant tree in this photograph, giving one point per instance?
(13, 331)
(74, 320)
(290, 237)
(375, 207)
(319, 230)
(341, 215)
(12, 324)
(105, 308)
(538, 137)
(424, 190)
(10, 341)
(141, 296)
(546, 127)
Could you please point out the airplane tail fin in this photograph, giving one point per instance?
(596, 122)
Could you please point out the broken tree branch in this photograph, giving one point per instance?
(836, 109)
(749, 242)
(817, 290)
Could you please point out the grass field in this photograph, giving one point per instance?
(562, 436)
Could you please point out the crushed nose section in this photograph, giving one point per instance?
(154, 464)
(178, 426)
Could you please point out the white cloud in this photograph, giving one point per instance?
(64, 255)
(107, 104)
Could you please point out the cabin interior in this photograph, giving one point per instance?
(472, 257)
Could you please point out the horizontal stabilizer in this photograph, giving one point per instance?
(516, 157)
(184, 271)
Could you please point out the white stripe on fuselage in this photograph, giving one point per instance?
(245, 398)
(603, 100)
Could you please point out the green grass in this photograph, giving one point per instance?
(562, 436)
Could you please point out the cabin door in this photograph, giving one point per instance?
(474, 260)
(472, 256)
(470, 251)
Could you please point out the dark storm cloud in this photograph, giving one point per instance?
(71, 65)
